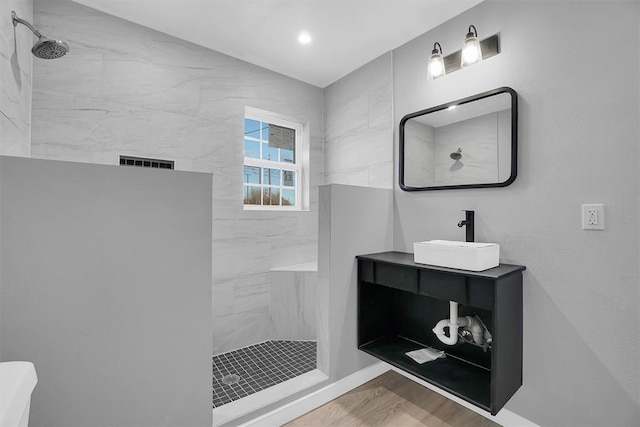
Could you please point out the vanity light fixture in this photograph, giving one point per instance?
(471, 51)
(436, 67)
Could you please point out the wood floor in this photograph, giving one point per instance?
(392, 400)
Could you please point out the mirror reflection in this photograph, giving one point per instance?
(468, 143)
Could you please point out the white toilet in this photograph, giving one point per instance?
(17, 381)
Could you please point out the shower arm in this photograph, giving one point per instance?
(17, 20)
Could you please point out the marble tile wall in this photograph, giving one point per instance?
(126, 89)
(359, 127)
(478, 139)
(293, 303)
(419, 154)
(16, 79)
(485, 142)
(504, 145)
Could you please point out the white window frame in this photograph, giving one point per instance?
(301, 160)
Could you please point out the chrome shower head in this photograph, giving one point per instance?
(457, 155)
(44, 48)
(49, 49)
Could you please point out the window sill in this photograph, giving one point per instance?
(273, 208)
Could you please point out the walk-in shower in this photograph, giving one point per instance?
(44, 48)
(248, 375)
(243, 372)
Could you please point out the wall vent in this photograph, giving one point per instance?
(146, 163)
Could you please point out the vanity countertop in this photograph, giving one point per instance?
(406, 259)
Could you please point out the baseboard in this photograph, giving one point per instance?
(318, 398)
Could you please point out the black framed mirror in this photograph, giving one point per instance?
(468, 143)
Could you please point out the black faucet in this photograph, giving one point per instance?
(468, 221)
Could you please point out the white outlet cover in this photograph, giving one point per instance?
(593, 216)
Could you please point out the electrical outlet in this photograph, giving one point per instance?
(593, 217)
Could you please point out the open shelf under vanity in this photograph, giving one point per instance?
(399, 302)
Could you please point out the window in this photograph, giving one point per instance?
(272, 171)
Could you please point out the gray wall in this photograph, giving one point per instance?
(15, 79)
(353, 221)
(358, 127)
(105, 287)
(578, 144)
(126, 89)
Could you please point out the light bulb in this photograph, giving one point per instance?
(471, 52)
(435, 68)
(304, 38)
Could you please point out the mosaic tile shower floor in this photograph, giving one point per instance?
(245, 371)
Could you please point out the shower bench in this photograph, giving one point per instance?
(399, 302)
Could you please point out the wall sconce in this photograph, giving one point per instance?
(472, 52)
(435, 68)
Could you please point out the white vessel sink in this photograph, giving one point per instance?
(463, 255)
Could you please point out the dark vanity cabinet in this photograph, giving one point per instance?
(399, 302)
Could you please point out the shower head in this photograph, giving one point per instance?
(44, 48)
(49, 49)
(457, 155)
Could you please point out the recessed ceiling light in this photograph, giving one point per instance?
(304, 38)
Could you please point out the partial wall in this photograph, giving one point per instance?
(106, 288)
(15, 79)
(353, 221)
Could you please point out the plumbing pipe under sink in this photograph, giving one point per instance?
(472, 324)
(451, 322)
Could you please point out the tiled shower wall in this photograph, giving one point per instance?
(126, 89)
(294, 305)
(359, 127)
(15, 73)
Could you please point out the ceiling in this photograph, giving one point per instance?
(346, 34)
